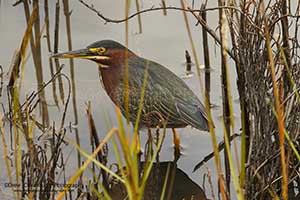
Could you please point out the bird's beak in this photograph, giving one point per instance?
(82, 53)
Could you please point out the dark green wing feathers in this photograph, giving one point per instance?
(166, 96)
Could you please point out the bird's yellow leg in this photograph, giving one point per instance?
(176, 142)
(176, 139)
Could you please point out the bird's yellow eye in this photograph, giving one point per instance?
(101, 50)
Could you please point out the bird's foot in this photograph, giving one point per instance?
(176, 141)
(177, 153)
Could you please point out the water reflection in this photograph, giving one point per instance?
(168, 178)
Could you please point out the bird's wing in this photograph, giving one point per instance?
(181, 102)
(169, 95)
(193, 114)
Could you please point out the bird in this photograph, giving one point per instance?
(167, 98)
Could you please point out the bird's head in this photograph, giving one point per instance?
(105, 53)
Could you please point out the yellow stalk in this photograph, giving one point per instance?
(280, 120)
(5, 152)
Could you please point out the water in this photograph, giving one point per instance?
(164, 40)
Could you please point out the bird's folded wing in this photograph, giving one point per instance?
(193, 115)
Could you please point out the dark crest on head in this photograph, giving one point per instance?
(108, 44)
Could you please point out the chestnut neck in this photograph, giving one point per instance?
(113, 75)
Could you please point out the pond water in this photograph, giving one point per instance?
(164, 40)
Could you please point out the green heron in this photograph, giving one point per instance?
(166, 97)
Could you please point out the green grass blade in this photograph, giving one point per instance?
(237, 186)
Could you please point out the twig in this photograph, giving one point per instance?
(50, 50)
(163, 2)
(139, 16)
(109, 20)
(221, 146)
(33, 95)
(1, 80)
(38, 65)
(56, 39)
(67, 101)
(206, 56)
(188, 62)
